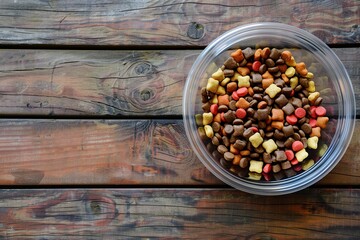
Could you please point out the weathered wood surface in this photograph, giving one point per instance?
(126, 83)
(167, 23)
(130, 152)
(178, 214)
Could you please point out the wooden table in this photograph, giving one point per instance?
(92, 142)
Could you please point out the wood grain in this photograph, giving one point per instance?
(123, 83)
(128, 152)
(178, 214)
(169, 23)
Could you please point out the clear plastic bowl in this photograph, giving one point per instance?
(331, 80)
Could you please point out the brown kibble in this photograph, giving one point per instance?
(282, 68)
(276, 168)
(262, 69)
(244, 162)
(277, 124)
(322, 122)
(261, 105)
(229, 156)
(229, 72)
(231, 87)
(229, 116)
(242, 103)
(238, 130)
(306, 128)
(288, 109)
(243, 71)
(230, 63)
(237, 55)
(239, 144)
(285, 165)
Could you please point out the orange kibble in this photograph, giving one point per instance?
(269, 128)
(236, 160)
(262, 104)
(277, 114)
(286, 55)
(250, 91)
(217, 118)
(267, 82)
(257, 54)
(242, 103)
(267, 75)
(265, 53)
(223, 100)
(301, 69)
(245, 153)
(285, 78)
(268, 120)
(237, 55)
(316, 131)
(233, 150)
(243, 71)
(322, 122)
(277, 124)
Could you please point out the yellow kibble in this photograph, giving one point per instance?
(290, 72)
(255, 176)
(309, 75)
(209, 131)
(202, 133)
(311, 87)
(273, 90)
(199, 119)
(212, 85)
(235, 77)
(218, 75)
(313, 96)
(322, 150)
(294, 81)
(243, 81)
(307, 164)
(291, 62)
(221, 90)
(301, 155)
(269, 146)
(225, 81)
(207, 118)
(256, 140)
(214, 100)
(256, 166)
(312, 142)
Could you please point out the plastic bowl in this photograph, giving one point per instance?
(331, 80)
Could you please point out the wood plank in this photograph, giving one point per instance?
(127, 83)
(130, 152)
(170, 23)
(178, 213)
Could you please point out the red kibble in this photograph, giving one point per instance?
(267, 168)
(292, 93)
(240, 113)
(320, 111)
(222, 118)
(300, 113)
(313, 112)
(294, 161)
(266, 176)
(235, 96)
(289, 155)
(291, 119)
(242, 92)
(255, 130)
(297, 146)
(312, 122)
(256, 65)
(214, 109)
(297, 167)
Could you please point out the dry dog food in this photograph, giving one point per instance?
(262, 116)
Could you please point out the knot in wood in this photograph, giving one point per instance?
(146, 94)
(195, 30)
(144, 68)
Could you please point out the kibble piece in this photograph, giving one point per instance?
(269, 146)
(294, 82)
(209, 131)
(282, 100)
(288, 109)
(307, 164)
(256, 166)
(276, 168)
(243, 81)
(218, 75)
(248, 133)
(237, 55)
(285, 165)
(212, 85)
(207, 118)
(229, 116)
(254, 176)
(256, 140)
(256, 78)
(323, 148)
(322, 122)
(230, 63)
(311, 88)
(280, 155)
(290, 72)
(301, 155)
(312, 142)
(273, 90)
(229, 156)
(262, 114)
(313, 96)
(239, 144)
(248, 52)
(288, 131)
(277, 114)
